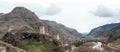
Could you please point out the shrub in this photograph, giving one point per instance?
(77, 44)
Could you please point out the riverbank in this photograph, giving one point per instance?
(95, 47)
(110, 48)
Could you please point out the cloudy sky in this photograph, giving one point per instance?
(82, 15)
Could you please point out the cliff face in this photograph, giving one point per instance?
(22, 19)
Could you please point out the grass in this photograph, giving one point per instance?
(77, 44)
(116, 44)
(115, 41)
(34, 47)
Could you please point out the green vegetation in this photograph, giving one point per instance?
(115, 40)
(116, 44)
(34, 47)
(78, 43)
(115, 36)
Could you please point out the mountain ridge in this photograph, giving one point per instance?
(23, 29)
(97, 30)
(21, 18)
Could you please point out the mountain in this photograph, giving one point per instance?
(1, 14)
(22, 19)
(97, 31)
(19, 19)
(113, 37)
(111, 33)
(62, 29)
(22, 29)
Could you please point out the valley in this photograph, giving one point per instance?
(21, 30)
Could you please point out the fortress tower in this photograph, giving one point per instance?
(9, 29)
(57, 37)
(42, 29)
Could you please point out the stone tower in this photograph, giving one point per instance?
(9, 29)
(57, 37)
(42, 29)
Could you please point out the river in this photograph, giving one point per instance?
(98, 46)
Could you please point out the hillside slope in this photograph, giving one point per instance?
(97, 31)
(111, 32)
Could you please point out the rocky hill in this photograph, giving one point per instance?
(66, 31)
(97, 31)
(22, 19)
(22, 31)
(1, 14)
(115, 37)
(111, 32)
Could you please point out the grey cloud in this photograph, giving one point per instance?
(53, 10)
(103, 11)
(41, 10)
(37, 8)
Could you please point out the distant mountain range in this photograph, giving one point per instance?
(98, 30)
